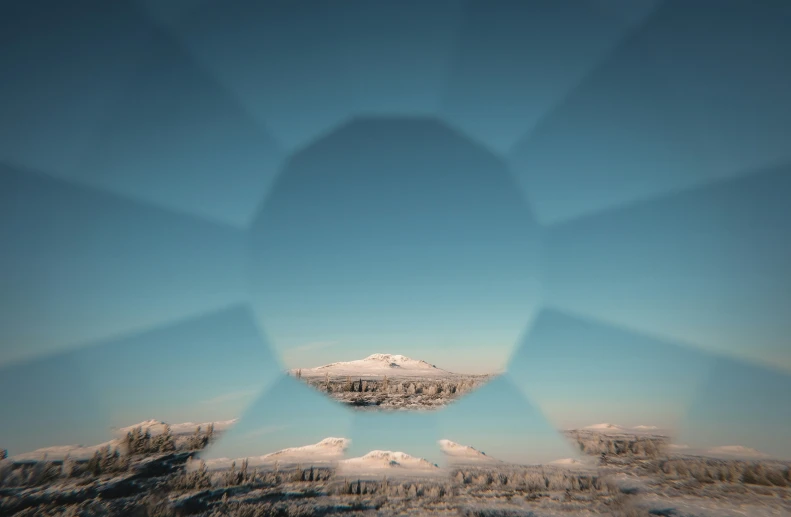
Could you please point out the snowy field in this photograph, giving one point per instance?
(152, 469)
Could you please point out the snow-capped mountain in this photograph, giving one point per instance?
(605, 427)
(326, 451)
(376, 461)
(327, 448)
(458, 453)
(376, 365)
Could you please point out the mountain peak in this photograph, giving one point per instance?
(389, 459)
(604, 427)
(378, 365)
(332, 442)
(457, 452)
(395, 359)
(454, 448)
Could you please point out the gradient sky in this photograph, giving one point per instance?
(197, 370)
(581, 372)
(410, 432)
(496, 419)
(83, 265)
(408, 177)
(287, 414)
(706, 266)
(395, 236)
(740, 404)
(499, 420)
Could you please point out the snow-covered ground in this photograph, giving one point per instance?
(683, 486)
(376, 365)
(691, 506)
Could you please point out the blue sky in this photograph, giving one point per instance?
(706, 266)
(84, 266)
(582, 372)
(410, 432)
(287, 414)
(372, 246)
(497, 419)
(203, 369)
(502, 422)
(740, 404)
(353, 190)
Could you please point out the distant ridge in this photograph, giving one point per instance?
(387, 461)
(155, 427)
(377, 365)
(458, 453)
(327, 450)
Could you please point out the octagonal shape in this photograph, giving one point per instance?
(390, 251)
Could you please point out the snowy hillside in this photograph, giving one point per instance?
(458, 454)
(327, 450)
(155, 427)
(376, 365)
(59, 452)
